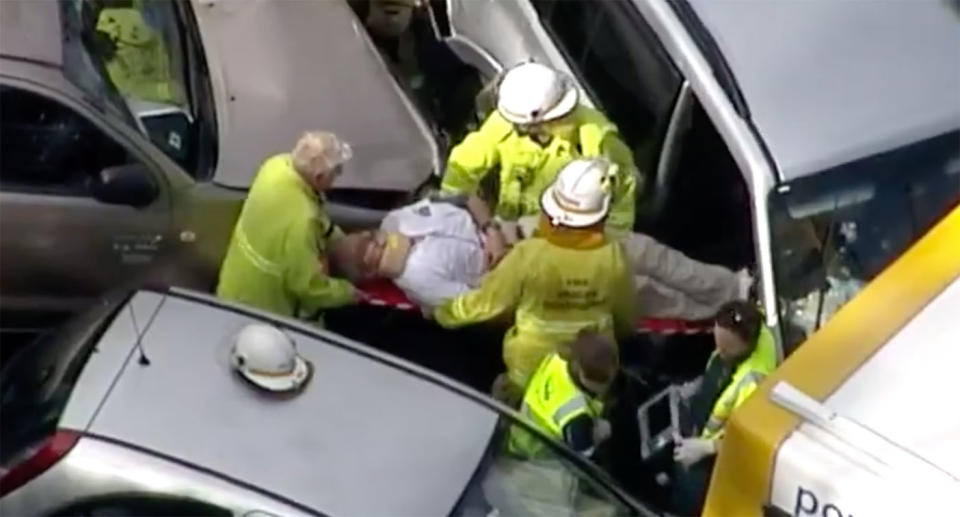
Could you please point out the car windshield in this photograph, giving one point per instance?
(132, 57)
(836, 230)
(36, 384)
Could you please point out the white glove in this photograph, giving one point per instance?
(689, 389)
(692, 450)
(601, 431)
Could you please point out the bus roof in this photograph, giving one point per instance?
(828, 83)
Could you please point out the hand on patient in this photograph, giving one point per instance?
(494, 247)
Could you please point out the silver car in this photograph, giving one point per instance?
(104, 185)
(133, 409)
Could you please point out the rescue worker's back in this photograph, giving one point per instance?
(557, 287)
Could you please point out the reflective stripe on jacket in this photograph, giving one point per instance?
(551, 401)
(275, 259)
(527, 168)
(744, 381)
(554, 293)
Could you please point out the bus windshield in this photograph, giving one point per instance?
(836, 230)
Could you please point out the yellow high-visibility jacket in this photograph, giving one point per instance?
(527, 168)
(276, 256)
(555, 290)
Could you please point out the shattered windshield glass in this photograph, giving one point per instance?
(835, 231)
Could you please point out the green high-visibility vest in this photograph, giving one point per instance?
(745, 380)
(552, 400)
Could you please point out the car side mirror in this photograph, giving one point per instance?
(131, 184)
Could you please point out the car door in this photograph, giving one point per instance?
(66, 235)
(507, 32)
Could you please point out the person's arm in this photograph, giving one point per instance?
(497, 294)
(628, 183)
(494, 243)
(474, 157)
(305, 274)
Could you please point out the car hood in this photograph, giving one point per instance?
(280, 68)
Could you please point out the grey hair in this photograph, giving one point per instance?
(318, 152)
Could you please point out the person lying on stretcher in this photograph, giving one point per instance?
(438, 248)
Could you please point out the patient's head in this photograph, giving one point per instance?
(370, 254)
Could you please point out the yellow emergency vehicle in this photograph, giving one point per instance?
(863, 418)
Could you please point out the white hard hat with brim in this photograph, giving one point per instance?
(532, 93)
(280, 381)
(571, 201)
(267, 358)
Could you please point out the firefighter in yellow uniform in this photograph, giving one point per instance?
(538, 127)
(276, 259)
(569, 278)
(745, 354)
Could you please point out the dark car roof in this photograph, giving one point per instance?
(364, 438)
(31, 30)
(827, 82)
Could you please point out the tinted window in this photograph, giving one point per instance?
(36, 384)
(620, 61)
(47, 147)
(509, 482)
(140, 58)
(144, 505)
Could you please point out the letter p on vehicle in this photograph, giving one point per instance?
(807, 503)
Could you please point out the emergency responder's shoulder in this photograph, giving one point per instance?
(526, 249)
(495, 129)
(586, 115)
(275, 166)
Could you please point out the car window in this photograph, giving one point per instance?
(523, 474)
(49, 148)
(35, 384)
(137, 58)
(621, 63)
(146, 505)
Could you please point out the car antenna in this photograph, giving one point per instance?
(143, 360)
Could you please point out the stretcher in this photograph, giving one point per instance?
(384, 293)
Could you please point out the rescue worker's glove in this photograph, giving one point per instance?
(689, 389)
(601, 431)
(692, 450)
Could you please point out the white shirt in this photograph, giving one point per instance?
(446, 258)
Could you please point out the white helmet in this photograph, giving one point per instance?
(531, 93)
(580, 196)
(268, 358)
